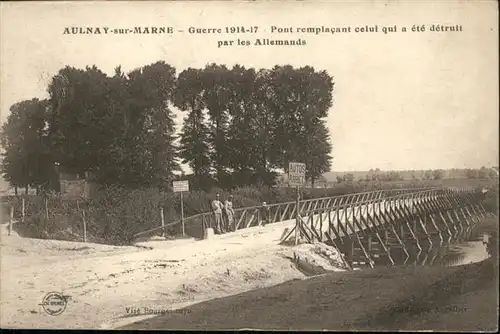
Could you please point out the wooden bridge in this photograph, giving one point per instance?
(258, 215)
(368, 221)
(375, 223)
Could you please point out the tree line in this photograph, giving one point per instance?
(482, 173)
(240, 125)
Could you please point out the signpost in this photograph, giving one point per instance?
(181, 186)
(297, 178)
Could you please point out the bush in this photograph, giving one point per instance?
(490, 201)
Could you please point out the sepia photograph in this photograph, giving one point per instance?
(249, 165)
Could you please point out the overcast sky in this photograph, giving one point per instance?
(401, 101)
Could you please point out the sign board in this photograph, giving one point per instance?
(180, 186)
(296, 174)
(75, 189)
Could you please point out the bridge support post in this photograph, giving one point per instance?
(448, 229)
(459, 221)
(297, 217)
(466, 220)
(437, 229)
(378, 229)
(448, 214)
(390, 220)
(349, 251)
(422, 224)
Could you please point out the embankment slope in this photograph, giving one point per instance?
(463, 298)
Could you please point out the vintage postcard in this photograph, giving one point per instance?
(258, 165)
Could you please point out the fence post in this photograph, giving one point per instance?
(182, 216)
(203, 226)
(23, 209)
(11, 221)
(84, 226)
(163, 234)
(46, 209)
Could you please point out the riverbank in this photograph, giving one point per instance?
(386, 298)
(455, 298)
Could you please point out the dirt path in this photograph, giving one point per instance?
(106, 284)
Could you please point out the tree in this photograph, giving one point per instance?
(470, 174)
(80, 122)
(194, 139)
(120, 129)
(216, 96)
(243, 126)
(251, 127)
(151, 89)
(493, 173)
(349, 177)
(376, 175)
(26, 159)
(483, 173)
(298, 100)
(318, 159)
(438, 174)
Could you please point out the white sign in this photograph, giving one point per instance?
(296, 174)
(180, 186)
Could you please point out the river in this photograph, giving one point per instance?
(471, 246)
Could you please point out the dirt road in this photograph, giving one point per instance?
(107, 283)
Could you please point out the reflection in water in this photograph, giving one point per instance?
(474, 245)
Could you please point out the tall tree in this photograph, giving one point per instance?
(151, 89)
(216, 97)
(318, 151)
(26, 158)
(299, 99)
(195, 136)
(79, 121)
(251, 127)
(120, 129)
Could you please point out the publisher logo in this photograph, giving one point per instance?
(54, 303)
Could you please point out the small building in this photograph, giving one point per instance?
(73, 186)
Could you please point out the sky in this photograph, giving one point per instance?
(402, 100)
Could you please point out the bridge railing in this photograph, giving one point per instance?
(271, 213)
(350, 215)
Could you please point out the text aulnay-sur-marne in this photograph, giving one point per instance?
(107, 30)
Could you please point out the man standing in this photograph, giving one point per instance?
(228, 207)
(265, 214)
(217, 208)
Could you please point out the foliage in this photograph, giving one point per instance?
(437, 174)
(118, 128)
(27, 160)
(241, 125)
